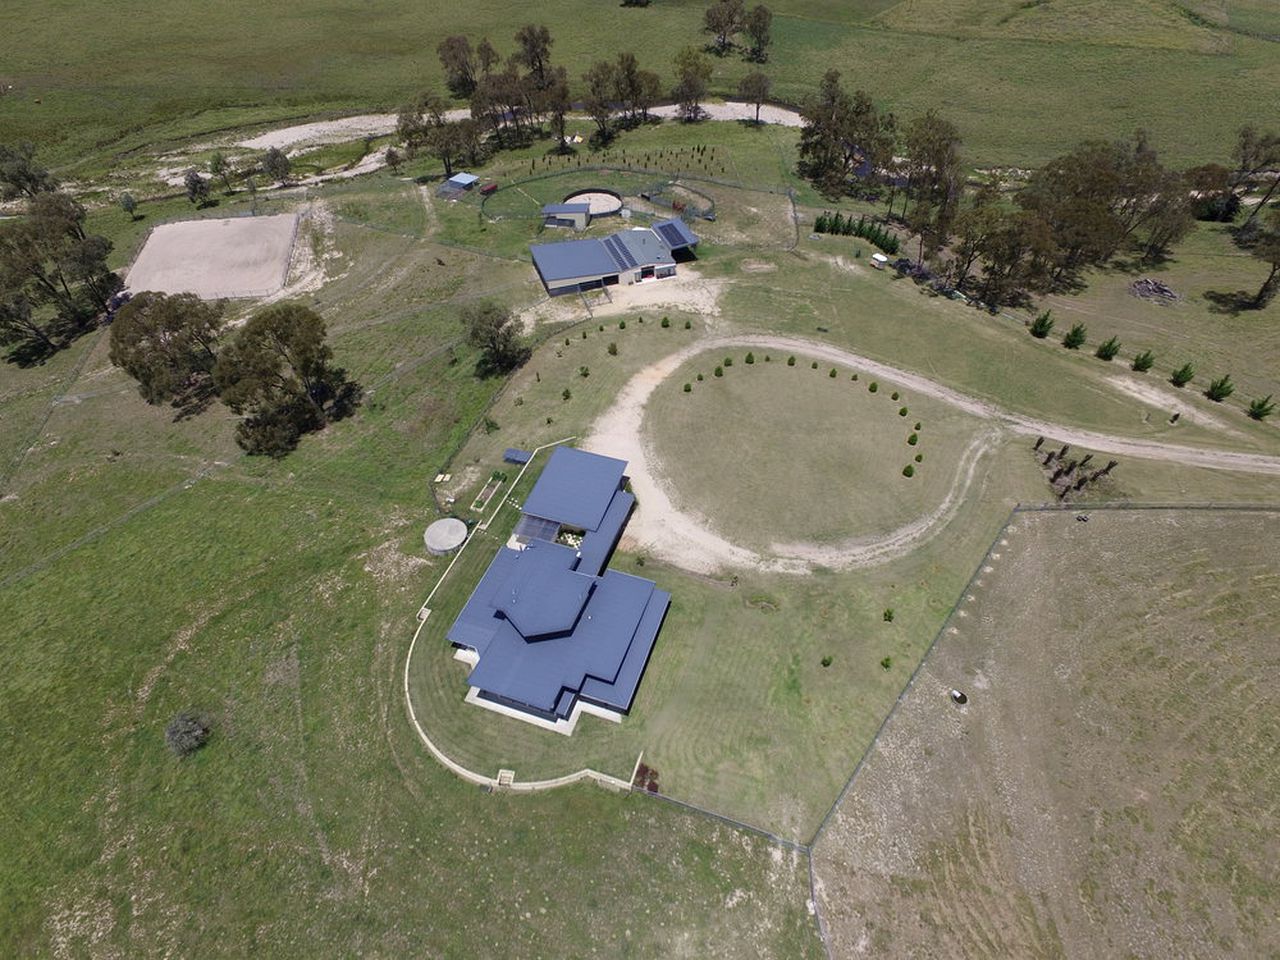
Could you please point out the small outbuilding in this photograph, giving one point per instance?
(575, 215)
(457, 184)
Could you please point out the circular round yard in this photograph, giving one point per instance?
(770, 454)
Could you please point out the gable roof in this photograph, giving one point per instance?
(541, 594)
(572, 258)
(575, 488)
(554, 208)
(463, 179)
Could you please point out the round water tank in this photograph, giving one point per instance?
(445, 536)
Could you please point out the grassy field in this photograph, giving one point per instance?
(88, 87)
(146, 566)
(1107, 791)
(739, 450)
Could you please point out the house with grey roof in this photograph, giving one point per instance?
(628, 256)
(549, 631)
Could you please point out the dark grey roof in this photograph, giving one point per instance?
(516, 455)
(541, 594)
(644, 247)
(575, 488)
(675, 234)
(572, 258)
(551, 209)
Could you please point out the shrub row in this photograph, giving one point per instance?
(868, 230)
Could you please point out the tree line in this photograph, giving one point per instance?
(54, 278)
(1103, 199)
(275, 371)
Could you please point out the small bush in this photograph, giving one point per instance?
(1042, 325)
(1261, 408)
(1220, 389)
(767, 358)
(613, 349)
(698, 378)
(1143, 361)
(886, 663)
(1182, 376)
(854, 378)
(1107, 349)
(814, 365)
(622, 324)
(913, 439)
(187, 732)
(918, 426)
(826, 661)
(566, 341)
(584, 372)
(872, 387)
(688, 324)
(602, 328)
(728, 361)
(888, 614)
(719, 371)
(567, 394)
(751, 357)
(832, 374)
(919, 458)
(903, 411)
(490, 424)
(688, 388)
(908, 471)
(791, 361)
(549, 421)
(894, 395)
(666, 322)
(1075, 337)
(584, 334)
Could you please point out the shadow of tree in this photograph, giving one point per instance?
(1231, 304)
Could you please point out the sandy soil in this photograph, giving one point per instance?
(234, 257)
(734, 110)
(687, 541)
(1167, 402)
(687, 290)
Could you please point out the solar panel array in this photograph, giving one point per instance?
(621, 255)
(671, 235)
(536, 528)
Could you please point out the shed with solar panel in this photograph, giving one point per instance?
(625, 257)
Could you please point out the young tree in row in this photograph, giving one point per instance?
(722, 20)
(277, 373)
(758, 26)
(754, 89)
(495, 333)
(693, 74)
(169, 345)
(20, 174)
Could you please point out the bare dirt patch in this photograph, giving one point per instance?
(1106, 790)
(232, 258)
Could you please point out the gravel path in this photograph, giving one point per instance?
(687, 541)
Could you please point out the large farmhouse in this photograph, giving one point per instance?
(628, 256)
(549, 631)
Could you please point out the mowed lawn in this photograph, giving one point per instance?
(91, 84)
(770, 453)
(1108, 790)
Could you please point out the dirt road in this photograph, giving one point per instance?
(686, 540)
